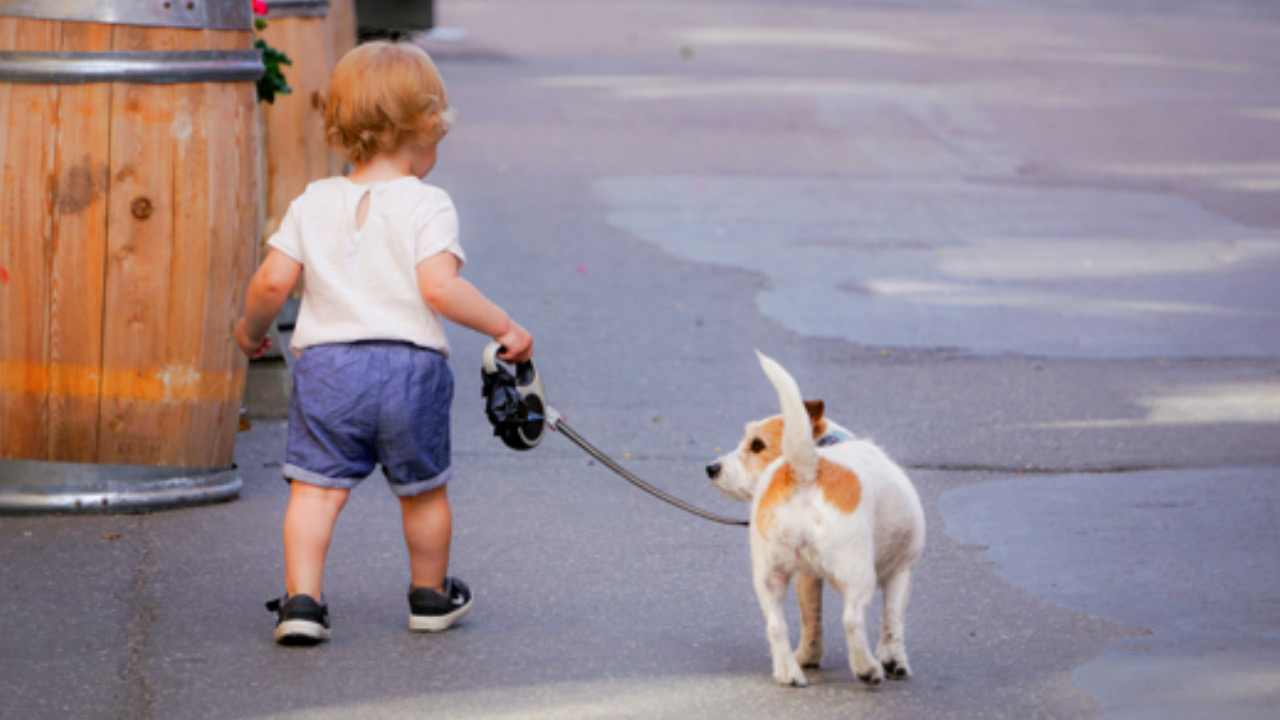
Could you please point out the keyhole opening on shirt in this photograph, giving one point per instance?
(362, 210)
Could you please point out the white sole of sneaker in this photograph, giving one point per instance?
(438, 623)
(301, 632)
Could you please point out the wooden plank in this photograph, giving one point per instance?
(342, 30)
(189, 267)
(342, 38)
(314, 75)
(250, 211)
(280, 123)
(31, 128)
(79, 256)
(8, 319)
(140, 247)
(244, 248)
(313, 72)
(8, 33)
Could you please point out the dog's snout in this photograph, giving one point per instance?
(713, 470)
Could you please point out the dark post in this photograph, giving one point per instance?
(393, 18)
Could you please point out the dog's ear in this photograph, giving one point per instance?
(816, 408)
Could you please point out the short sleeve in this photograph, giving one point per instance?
(436, 230)
(288, 237)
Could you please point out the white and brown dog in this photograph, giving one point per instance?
(824, 506)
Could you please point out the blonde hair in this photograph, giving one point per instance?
(382, 95)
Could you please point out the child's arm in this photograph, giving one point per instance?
(268, 290)
(458, 300)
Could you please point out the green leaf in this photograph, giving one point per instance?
(273, 81)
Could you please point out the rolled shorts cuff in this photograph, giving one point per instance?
(294, 473)
(405, 490)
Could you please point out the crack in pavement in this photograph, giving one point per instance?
(138, 702)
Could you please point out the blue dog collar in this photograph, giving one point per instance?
(834, 438)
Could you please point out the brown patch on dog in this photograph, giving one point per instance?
(819, 429)
(769, 436)
(781, 487)
(840, 486)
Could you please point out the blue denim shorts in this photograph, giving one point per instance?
(358, 405)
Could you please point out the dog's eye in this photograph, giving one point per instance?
(757, 445)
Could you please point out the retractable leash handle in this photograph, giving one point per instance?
(516, 404)
(516, 401)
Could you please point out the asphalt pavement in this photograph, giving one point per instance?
(1031, 247)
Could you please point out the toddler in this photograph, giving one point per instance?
(371, 383)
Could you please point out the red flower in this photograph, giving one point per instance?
(259, 7)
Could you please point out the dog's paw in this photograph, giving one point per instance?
(872, 677)
(894, 661)
(789, 674)
(810, 656)
(797, 680)
(895, 670)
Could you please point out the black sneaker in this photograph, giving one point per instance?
(300, 620)
(429, 611)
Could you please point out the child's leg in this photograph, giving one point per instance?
(428, 529)
(308, 527)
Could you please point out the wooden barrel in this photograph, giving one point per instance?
(314, 34)
(130, 219)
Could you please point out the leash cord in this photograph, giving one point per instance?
(559, 424)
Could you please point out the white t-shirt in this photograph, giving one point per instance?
(363, 284)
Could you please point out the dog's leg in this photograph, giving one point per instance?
(892, 652)
(857, 596)
(771, 588)
(809, 593)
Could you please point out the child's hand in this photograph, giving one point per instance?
(254, 349)
(517, 344)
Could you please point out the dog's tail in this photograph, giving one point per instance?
(798, 448)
